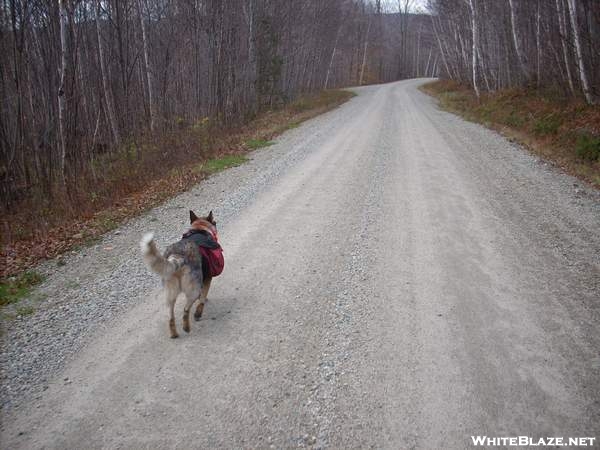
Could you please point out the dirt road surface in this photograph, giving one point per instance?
(395, 277)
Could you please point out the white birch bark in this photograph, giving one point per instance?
(364, 59)
(337, 37)
(428, 61)
(579, 54)
(475, 35)
(483, 70)
(516, 40)
(562, 26)
(465, 59)
(437, 36)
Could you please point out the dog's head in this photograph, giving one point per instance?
(207, 223)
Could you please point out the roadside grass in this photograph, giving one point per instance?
(562, 130)
(142, 174)
(14, 288)
(254, 144)
(218, 164)
(588, 147)
(25, 310)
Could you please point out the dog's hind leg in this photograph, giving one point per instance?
(171, 295)
(202, 299)
(191, 285)
(172, 326)
(186, 314)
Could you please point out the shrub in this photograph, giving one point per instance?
(14, 288)
(514, 120)
(547, 125)
(588, 147)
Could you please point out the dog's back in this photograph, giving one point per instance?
(177, 256)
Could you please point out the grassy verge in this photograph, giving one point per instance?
(562, 130)
(15, 288)
(143, 174)
(218, 164)
(258, 143)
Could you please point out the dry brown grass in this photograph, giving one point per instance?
(144, 173)
(562, 130)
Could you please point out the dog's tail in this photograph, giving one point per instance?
(154, 260)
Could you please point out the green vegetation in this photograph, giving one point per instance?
(547, 125)
(513, 119)
(588, 147)
(258, 143)
(227, 161)
(25, 310)
(15, 288)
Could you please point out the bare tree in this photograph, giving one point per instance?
(579, 53)
(563, 41)
(82, 78)
(513, 41)
(108, 98)
(516, 40)
(475, 47)
(61, 89)
(147, 68)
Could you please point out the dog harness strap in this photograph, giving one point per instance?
(202, 238)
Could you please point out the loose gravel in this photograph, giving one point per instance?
(85, 289)
(395, 277)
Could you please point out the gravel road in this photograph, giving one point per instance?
(395, 277)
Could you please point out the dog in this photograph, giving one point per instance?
(187, 266)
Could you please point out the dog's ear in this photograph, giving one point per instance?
(211, 218)
(193, 217)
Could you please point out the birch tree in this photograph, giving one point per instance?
(108, 99)
(474, 51)
(516, 40)
(579, 54)
(147, 68)
(62, 87)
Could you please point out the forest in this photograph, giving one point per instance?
(85, 83)
(80, 79)
(494, 45)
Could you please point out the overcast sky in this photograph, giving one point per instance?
(392, 5)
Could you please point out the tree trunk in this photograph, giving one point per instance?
(562, 26)
(538, 46)
(516, 40)
(337, 37)
(579, 54)
(418, 52)
(110, 110)
(364, 59)
(148, 70)
(475, 36)
(428, 61)
(61, 89)
(437, 36)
